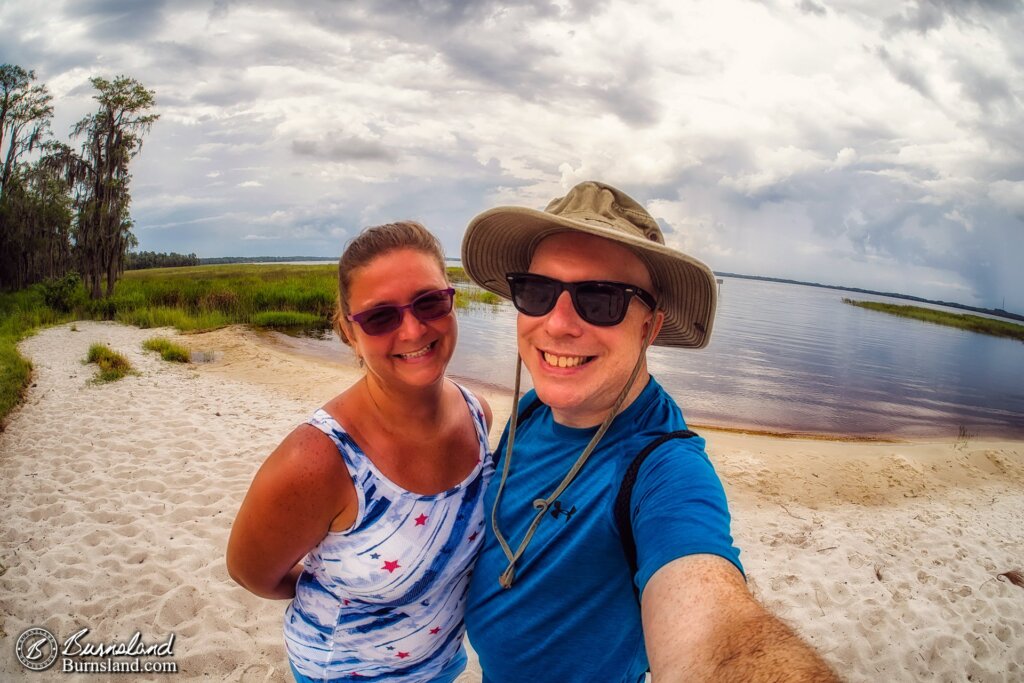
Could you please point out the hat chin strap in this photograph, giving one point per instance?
(542, 504)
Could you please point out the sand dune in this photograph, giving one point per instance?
(118, 499)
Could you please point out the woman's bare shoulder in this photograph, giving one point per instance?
(457, 400)
(307, 456)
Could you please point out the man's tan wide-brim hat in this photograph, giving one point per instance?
(502, 240)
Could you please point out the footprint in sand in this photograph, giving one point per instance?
(46, 512)
(780, 582)
(177, 607)
(127, 530)
(151, 486)
(206, 498)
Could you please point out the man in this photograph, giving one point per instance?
(567, 588)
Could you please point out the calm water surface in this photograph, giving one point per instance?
(787, 357)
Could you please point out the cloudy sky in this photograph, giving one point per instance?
(875, 144)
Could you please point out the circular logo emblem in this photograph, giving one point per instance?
(36, 649)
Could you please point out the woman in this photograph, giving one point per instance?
(381, 491)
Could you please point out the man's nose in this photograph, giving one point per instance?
(563, 318)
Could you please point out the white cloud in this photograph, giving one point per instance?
(957, 217)
(1008, 194)
(846, 156)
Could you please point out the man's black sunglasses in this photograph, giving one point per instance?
(598, 302)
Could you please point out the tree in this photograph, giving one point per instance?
(112, 137)
(36, 214)
(25, 113)
(34, 207)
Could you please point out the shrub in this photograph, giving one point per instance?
(62, 294)
(102, 309)
(113, 366)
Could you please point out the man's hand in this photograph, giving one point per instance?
(702, 624)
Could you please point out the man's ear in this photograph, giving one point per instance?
(658, 319)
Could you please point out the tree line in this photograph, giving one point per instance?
(140, 260)
(67, 209)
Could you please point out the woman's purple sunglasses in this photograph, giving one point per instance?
(426, 307)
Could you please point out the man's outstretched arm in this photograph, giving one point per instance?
(702, 624)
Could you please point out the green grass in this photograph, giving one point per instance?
(287, 320)
(167, 349)
(458, 274)
(182, 320)
(207, 297)
(974, 323)
(468, 297)
(15, 373)
(21, 313)
(113, 366)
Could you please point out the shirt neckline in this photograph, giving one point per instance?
(401, 489)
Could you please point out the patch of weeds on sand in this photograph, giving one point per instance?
(963, 439)
(167, 349)
(113, 366)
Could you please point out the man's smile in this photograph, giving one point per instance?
(564, 360)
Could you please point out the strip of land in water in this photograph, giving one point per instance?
(974, 323)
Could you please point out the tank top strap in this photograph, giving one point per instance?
(355, 459)
(479, 420)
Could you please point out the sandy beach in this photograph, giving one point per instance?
(118, 501)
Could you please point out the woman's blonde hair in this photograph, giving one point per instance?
(377, 241)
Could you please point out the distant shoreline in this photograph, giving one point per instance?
(909, 297)
(990, 311)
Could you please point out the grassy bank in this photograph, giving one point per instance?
(974, 323)
(21, 313)
(292, 297)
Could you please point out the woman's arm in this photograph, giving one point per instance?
(294, 498)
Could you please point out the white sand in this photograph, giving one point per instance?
(118, 499)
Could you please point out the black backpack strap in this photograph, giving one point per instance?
(524, 414)
(622, 510)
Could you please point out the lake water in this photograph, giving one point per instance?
(787, 357)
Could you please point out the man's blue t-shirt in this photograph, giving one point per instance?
(572, 614)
